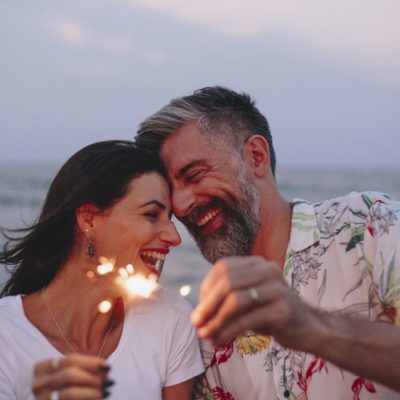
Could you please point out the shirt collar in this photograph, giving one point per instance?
(304, 231)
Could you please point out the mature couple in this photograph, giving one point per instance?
(302, 301)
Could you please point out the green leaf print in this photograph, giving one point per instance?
(303, 228)
(367, 200)
(302, 216)
(359, 213)
(356, 238)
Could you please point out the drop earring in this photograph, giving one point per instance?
(90, 249)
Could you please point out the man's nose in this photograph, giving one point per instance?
(183, 200)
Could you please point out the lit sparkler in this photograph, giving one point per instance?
(135, 284)
(140, 285)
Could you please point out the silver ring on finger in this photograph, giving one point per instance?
(54, 395)
(254, 295)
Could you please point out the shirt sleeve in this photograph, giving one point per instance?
(6, 386)
(382, 254)
(184, 358)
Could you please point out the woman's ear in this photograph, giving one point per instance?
(84, 218)
(256, 154)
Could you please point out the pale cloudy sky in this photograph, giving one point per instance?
(325, 73)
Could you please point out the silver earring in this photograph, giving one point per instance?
(90, 249)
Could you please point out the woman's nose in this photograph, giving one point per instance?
(170, 234)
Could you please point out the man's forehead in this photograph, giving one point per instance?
(185, 146)
(179, 163)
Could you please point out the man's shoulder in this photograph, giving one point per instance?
(361, 200)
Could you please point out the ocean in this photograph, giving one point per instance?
(23, 187)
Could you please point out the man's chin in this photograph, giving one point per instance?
(214, 246)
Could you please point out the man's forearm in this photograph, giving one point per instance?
(366, 348)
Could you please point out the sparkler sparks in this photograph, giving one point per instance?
(185, 290)
(105, 306)
(106, 266)
(140, 285)
(130, 269)
(135, 284)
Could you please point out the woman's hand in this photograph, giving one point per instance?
(75, 376)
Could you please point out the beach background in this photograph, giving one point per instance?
(23, 187)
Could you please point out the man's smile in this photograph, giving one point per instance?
(208, 216)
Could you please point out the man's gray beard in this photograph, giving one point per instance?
(237, 235)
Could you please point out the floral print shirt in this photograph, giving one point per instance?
(344, 257)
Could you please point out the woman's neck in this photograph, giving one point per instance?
(67, 311)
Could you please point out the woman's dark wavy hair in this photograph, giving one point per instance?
(98, 174)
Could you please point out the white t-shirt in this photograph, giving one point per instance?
(158, 348)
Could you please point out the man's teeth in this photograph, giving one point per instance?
(207, 217)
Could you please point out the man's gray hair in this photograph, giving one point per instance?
(222, 115)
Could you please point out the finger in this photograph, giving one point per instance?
(234, 303)
(257, 320)
(68, 376)
(240, 302)
(237, 274)
(241, 272)
(90, 363)
(210, 304)
(219, 269)
(83, 393)
(226, 275)
(47, 366)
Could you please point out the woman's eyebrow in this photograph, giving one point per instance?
(154, 202)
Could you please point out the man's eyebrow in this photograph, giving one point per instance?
(154, 202)
(187, 167)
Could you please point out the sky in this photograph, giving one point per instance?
(325, 74)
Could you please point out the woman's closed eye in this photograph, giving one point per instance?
(152, 214)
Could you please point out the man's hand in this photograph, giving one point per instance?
(250, 293)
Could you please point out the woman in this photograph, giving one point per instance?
(109, 200)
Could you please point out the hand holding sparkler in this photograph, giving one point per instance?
(75, 376)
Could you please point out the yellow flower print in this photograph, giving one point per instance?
(251, 343)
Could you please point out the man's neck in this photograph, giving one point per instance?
(274, 235)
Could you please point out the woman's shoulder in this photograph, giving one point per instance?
(11, 311)
(10, 305)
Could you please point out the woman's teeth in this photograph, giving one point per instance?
(151, 257)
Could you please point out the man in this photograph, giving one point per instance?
(299, 293)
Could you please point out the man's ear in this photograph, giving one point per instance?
(84, 218)
(256, 154)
